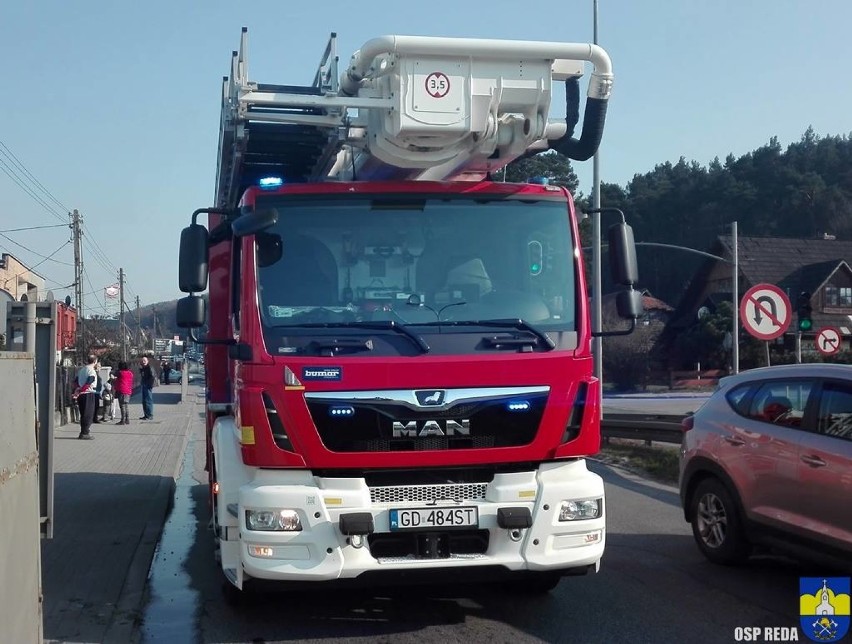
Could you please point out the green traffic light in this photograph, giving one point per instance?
(805, 325)
(535, 268)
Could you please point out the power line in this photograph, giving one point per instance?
(67, 241)
(39, 263)
(17, 230)
(6, 237)
(95, 292)
(29, 174)
(101, 258)
(96, 251)
(5, 168)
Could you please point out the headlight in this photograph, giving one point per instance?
(277, 520)
(579, 510)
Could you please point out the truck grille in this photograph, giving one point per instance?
(374, 425)
(428, 493)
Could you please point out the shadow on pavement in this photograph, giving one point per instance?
(166, 398)
(103, 541)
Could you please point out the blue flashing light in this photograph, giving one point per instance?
(518, 405)
(341, 411)
(541, 181)
(270, 183)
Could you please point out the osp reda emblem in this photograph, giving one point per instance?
(824, 608)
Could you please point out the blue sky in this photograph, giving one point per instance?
(114, 106)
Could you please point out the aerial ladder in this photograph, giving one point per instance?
(408, 108)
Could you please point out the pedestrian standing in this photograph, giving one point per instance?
(98, 389)
(148, 379)
(108, 397)
(86, 399)
(123, 387)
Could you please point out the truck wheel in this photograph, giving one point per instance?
(716, 524)
(539, 583)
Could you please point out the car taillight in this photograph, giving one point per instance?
(687, 423)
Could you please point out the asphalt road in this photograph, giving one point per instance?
(653, 586)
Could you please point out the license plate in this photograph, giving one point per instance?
(428, 518)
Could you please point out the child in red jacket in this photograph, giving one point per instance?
(123, 387)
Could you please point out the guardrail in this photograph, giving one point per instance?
(662, 428)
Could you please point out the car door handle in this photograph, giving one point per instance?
(813, 461)
(733, 440)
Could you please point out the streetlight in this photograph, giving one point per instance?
(735, 296)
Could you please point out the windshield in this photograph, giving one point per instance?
(416, 261)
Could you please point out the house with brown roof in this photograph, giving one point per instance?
(820, 268)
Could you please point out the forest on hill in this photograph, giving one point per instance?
(803, 191)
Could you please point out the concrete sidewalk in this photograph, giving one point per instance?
(112, 496)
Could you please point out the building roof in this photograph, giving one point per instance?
(794, 265)
(4, 265)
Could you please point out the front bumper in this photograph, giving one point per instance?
(321, 552)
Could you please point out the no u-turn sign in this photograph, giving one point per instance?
(765, 311)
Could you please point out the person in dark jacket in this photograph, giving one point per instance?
(148, 379)
(87, 401)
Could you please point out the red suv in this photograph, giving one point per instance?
(768, 460)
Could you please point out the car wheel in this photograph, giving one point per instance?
(716, 524)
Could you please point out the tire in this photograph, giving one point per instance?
(716, 524)
(539, 583)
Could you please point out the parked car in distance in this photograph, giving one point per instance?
(767, 460)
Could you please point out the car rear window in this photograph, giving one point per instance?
(779, 402)
(738, 399)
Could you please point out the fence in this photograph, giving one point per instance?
(662, 428)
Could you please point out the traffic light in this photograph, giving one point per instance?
(804, 311)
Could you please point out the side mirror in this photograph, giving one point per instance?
(193, 264)
(254, 222)
(190, 312)
(622, 255)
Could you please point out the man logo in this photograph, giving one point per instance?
(824, 608)
(430, 397)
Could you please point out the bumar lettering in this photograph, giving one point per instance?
(422, 429)
(322, 373)
(766, 634)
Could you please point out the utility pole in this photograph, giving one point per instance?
(155, 332)
(76, 229)
(138, 325)
(121, 327)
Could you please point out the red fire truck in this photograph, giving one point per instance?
(398, 347)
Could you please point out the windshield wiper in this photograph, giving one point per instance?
(332, 346)
(510, 323)
(378, 325)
